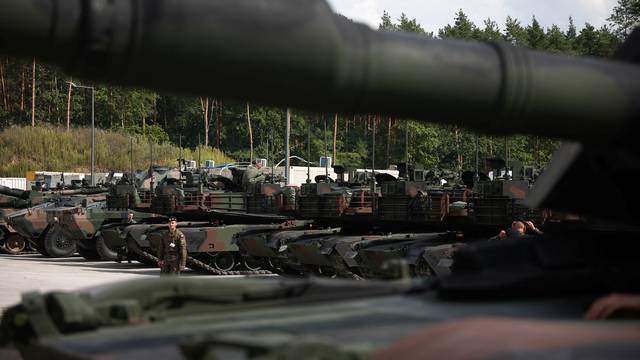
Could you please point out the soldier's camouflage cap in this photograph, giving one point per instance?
(173, 218)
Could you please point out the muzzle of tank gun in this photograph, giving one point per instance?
(298, 53)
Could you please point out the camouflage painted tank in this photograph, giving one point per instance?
(39, 224)
(32, 224)
(402, 255)
(83, 225)
(269, 248)
(211, 248)
(11, 200)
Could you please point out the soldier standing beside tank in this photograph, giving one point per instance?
(172, 250)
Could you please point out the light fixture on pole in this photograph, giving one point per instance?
(93, 129)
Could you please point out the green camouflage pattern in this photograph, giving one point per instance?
(330, 255)
(83, 223)
(270, 247)
(398, 255)
(31, 223)
(277, 319)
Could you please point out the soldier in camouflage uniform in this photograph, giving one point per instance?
(252, 175)
(172, 250)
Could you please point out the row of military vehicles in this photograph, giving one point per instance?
(361, 224)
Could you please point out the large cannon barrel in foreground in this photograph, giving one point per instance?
(299, 53)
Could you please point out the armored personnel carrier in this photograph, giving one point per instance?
(500, 295)
(10, 201)
(39, 224)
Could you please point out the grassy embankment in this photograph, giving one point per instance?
(54, 149)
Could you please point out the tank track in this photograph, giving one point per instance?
(193, 263)
(196, 264)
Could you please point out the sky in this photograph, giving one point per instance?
(435, 14)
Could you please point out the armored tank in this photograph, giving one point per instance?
(499, 295)
(211, 248)
(39, 224)
(269, 248)
(83, 225)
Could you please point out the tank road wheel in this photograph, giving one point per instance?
(252, 264)
(15, 244)
(223, 261)
(87, 249)
(103, 250)
(57, 245)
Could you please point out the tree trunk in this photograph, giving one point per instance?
(110, 113)
(218, 122)
(56, 97)
(33, 94)
(346, 129)
(51, 99)
(144, 126)
(458, 155)
(69, 104)
(250, 133)
(4, 89)
(335, 138)
(22, 91)
(388, 143)
(204, 104)
(212, 110)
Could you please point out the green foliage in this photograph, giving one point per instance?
(462, 28)
(167, 119)
(404, 25)
(154, 132)
(536, 38)
(625, 16)
(55, 149)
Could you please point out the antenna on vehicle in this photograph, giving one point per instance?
(326, 163)
(268, 157)
(308, 152)
(506, 158)
(373, 156)
(180, 161)
(273, 152)
(151, 163)
(406, 151)
(199, 152)
(131, 159)
(476, 177)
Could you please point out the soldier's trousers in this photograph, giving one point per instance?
(170, 268)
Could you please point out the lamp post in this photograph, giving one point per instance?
(93, 130)
(287, 135)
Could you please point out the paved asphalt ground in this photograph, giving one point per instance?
(31, 272)
(34, 272)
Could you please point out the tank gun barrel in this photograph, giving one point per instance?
(299, 53)
(21, 194)
(83, 191)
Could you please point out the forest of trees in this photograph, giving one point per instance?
(38, 95)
